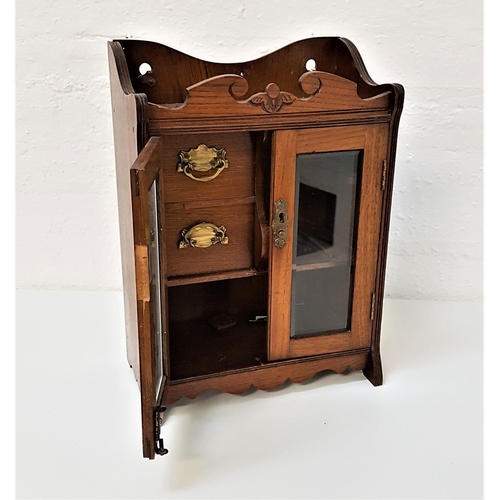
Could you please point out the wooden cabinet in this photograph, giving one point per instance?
(254, 203)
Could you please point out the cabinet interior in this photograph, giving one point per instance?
(197, 311)
(217, 316)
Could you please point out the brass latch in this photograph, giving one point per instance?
(280, 223)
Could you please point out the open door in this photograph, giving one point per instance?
(151, 321)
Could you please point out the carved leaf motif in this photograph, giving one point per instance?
(273, 99)
(259, 98)
(287, 97)
(270, 105)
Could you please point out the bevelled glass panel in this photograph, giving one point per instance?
(154, 270)
(325, 209)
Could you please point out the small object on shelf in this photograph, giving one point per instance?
(258, 319)
(259, 360)
(221, 321)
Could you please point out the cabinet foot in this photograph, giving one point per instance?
(373, 370)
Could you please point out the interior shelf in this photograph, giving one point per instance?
(205, 278)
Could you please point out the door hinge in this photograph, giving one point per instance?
(372, 309)
(384, 175)
(159, 448)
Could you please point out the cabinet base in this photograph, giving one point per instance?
(268, 376)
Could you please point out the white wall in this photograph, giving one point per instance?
(67, 225)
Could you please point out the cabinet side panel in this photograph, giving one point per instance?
(126, 150)
(373, 371)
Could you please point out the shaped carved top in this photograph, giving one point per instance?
(276, 85)
(222, 96)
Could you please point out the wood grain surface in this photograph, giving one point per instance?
(238, 220)
(280, 259)
(236, 181)
(143, 172)
(126, 114)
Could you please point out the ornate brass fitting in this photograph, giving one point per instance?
(280, 223)
(203, 163)
(203, 235)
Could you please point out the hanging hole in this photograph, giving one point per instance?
(144, 68)
(311, 65)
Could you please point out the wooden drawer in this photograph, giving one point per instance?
(238, 220)
(237, 180)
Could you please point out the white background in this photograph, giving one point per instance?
(67, 236)
(67, 223)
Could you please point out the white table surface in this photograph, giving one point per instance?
(335, 436)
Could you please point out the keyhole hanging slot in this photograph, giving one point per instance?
(146, 73)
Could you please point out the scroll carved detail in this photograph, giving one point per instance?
(223, 95)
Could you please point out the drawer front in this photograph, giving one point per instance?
(208, 239)
(207, 166)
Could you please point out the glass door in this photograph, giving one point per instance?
(151, 329)
(326, 207)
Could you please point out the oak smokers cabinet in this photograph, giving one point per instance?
(254, 204)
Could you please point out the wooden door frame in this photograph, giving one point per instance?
(143, 173)
(287, 144)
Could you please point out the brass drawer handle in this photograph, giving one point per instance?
(203, 235)
(203, 163)
(280, 223)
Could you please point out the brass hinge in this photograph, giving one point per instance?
(384, 175)
(372, 310)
